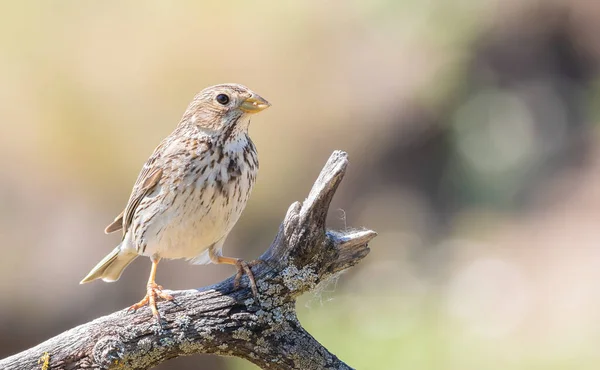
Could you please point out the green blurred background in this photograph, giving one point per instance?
(473, 144)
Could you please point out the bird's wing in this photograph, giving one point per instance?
(116, 225)
(145, 183)
(150, 180)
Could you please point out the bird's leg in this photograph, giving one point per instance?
(153, 291)
(243, 267)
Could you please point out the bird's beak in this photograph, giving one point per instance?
(254, 104)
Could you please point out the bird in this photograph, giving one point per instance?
(190, 192)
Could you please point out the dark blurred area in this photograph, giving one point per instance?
(473, 143)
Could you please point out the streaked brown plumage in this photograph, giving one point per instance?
(191, 191)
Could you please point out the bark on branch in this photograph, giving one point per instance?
(220, 319)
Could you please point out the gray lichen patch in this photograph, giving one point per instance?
(145, 344)
(167, 342)
(263, 285)
(243, 334)
(206, 335)
(267, 303)
(189, 347)
(108, 350)
(144, 359)
(223, 346)
(274, 289)
(277, 315)
(183, 321)
(262, 346)
(299, 280)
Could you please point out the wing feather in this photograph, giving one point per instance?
(147, 180)
(150, 176)
(116, 225)
(150, 181)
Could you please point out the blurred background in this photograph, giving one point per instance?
(471, 127)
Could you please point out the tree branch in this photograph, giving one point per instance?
(220, 319)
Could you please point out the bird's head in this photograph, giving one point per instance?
(224, 108)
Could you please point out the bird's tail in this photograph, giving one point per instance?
(111, 266)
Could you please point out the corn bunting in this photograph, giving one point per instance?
(191, 191)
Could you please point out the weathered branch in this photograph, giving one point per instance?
(220, 319)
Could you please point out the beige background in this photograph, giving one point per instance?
(471, 129)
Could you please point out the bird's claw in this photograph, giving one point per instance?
(153, 292)
(244, 267)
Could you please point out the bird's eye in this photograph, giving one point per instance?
(223, 99)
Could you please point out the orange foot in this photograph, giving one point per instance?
(154, 291)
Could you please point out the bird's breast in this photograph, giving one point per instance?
(204, 204)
